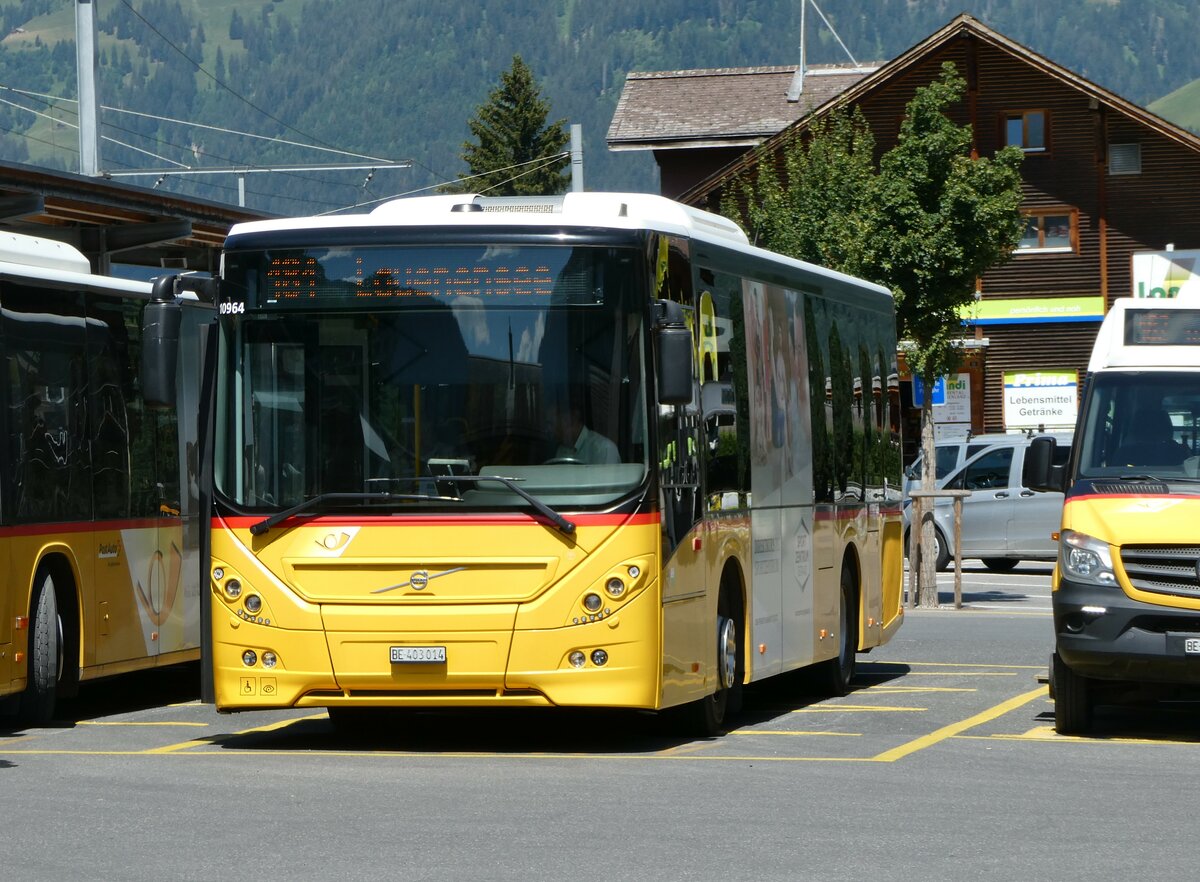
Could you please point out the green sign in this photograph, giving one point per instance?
(1025, 310)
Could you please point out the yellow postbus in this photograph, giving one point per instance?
(592, 450)
(99, 512)
(1126, 587)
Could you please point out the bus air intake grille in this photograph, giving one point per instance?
(1121, 488)
(1163, 569)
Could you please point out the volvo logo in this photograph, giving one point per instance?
(419, 580)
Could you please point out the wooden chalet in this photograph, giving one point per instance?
(1103, 179)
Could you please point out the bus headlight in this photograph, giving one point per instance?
(615, 587)
(592, 603)
(233, 589)
(1086, 559)
(249, 658)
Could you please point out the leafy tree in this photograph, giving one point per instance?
(515, 152)
(927, 223)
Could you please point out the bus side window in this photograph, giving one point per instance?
(47, 406)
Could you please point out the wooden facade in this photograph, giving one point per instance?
(1092, 206)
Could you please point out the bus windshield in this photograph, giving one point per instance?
(390, 371)
(1142, 424)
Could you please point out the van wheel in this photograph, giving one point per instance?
(941, 551)
(45, 657)
(1001, 564)
(1072, 700)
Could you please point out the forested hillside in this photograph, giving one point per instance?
(398, 79)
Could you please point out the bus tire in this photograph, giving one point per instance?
(45, 657)
(1073, 701)
(833, 676)
(706, 718)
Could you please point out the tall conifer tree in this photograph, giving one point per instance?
(515, 151)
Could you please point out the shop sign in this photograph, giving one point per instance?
(1166, 274)
(1040, 399)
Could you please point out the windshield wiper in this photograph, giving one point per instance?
(315, 502)
(511, 483)
(1173, 479)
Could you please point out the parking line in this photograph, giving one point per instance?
(793, 733)
(870, 708)
(138, 723)
(207, 742)
(999, 710)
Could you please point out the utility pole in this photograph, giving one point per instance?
(87, 64)
(576, 158)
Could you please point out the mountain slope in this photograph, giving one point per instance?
(398, 79)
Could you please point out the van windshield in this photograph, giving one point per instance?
(1142, 424)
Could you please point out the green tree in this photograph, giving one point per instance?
(927, 223)
(515, 152)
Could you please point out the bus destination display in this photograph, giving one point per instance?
(1162, 327)
(294, 277)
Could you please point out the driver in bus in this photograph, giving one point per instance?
(578, 443)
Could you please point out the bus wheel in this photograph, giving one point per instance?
(1072, 700)
(833, 675)
(45, 657)
(705, 718)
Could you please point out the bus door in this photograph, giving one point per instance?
(126, 603)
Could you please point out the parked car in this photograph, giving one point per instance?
(1003, 521)
(948, 456)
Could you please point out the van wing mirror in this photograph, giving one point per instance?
(1039, 472)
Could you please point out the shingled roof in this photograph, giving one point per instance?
(727, 106)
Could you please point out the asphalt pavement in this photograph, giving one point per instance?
(942, 763)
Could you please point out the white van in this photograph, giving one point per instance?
(1003, 521)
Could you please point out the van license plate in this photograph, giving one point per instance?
(424, 655)
(1191, 646)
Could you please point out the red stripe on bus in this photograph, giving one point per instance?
(59, 529)
(477, 520)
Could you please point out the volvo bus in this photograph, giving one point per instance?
(1126, 587)
(593, 450)
(99, 524)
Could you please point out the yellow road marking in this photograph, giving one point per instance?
(202, 742)
(897, 690)
(791, 732)
(834, 708)
(137, 723)
(1047, 733)
(961, 674)
(918, 664)
(999, 710)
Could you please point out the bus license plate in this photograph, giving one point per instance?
(1191, 646)
(418, 655)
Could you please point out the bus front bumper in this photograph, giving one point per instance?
(1103, 634)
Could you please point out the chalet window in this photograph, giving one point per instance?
(1049, 231)
(1029, 130)
(1124, 159)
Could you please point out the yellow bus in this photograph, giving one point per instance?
(99, 512)
(593, 450)
(1126, 587)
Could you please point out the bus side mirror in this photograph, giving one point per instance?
(675, 352)
(160, 344)
(1039, 472)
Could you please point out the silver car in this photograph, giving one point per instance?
(1003, 521)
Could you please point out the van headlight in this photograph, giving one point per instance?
(1085, 559)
